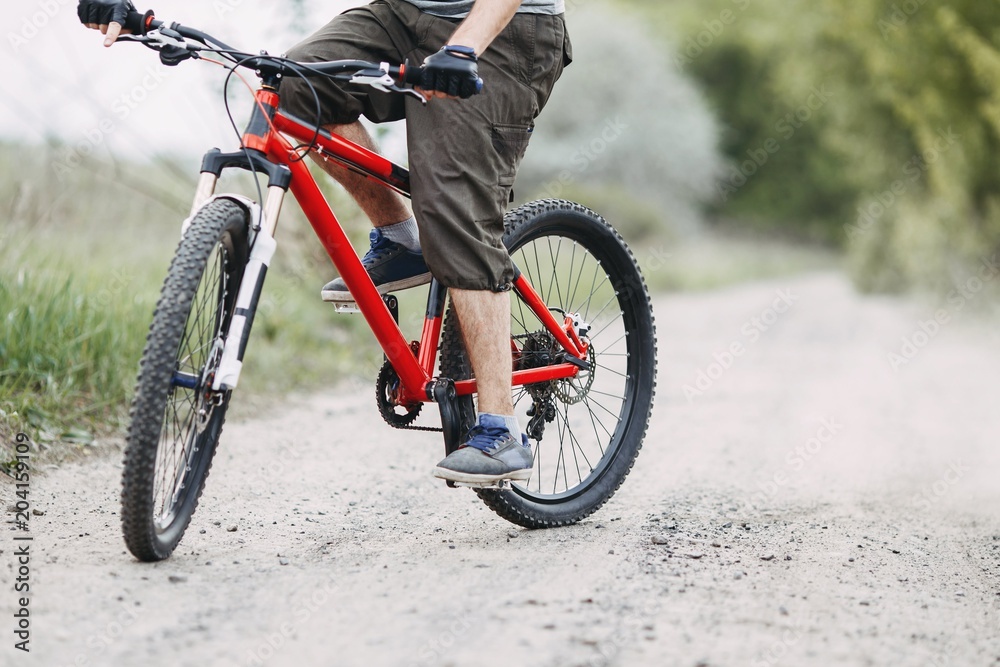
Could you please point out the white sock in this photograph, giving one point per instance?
(404, 233)
(510, 421)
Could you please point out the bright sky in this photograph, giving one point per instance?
(64, 83)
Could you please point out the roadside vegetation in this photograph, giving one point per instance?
(868, 125)
(82, 259)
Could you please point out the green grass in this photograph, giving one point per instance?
(80, 273)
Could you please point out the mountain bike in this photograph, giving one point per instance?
(582, 332)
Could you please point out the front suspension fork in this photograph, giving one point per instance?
(263, 226)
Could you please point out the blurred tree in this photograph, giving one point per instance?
(624, 132)
(901, 165)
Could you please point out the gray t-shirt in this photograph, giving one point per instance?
(455, 9)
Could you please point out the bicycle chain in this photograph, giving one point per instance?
(387, 379)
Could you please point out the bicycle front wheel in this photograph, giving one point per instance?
(585, 431)
(176, 418)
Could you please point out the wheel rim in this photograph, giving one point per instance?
(591, 410)
(186, 430)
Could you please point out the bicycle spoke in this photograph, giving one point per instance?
(600, 365)
(605, 353)
(555, 276)
(593, 288)
(572, 263)
(620, 398)
(607, 325)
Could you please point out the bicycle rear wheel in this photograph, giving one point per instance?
(176, 419)
(586, 431)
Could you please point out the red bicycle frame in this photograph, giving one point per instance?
(268, 135)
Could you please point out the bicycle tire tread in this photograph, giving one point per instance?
(156, 365)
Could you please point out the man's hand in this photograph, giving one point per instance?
(108, 16)
(451, 72)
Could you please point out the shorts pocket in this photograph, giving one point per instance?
(510, 142)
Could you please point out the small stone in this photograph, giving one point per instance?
(233, 528)
(865, 603)
(716, 545)
(660, 539)
(176, 579)
(512, 534)
(611, 552)
(788, 558)
(695, 556)
(451, 546)
(782, 611)
(202, 531)
(850, 560)
(771, 557)
(216, 523)
(37, 512)
(404, 511)
(728, 524)
(283, 561)
(737, 575)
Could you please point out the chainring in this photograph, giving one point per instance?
(386, 387)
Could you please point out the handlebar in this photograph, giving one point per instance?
(141, 24)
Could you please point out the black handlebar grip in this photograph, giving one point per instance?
(412, 74)
(138, 24)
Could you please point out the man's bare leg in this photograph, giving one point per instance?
(489, 456)
(382, 206)
(485, 320)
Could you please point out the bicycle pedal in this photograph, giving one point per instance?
(346, 307)
(499, 484)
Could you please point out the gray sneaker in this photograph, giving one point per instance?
(490, 454)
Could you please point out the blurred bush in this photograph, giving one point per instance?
(624, 132)
(873, 124)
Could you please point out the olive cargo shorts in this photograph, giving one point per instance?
(463, 154)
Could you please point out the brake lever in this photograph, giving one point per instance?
(409, 91)
(381, 80)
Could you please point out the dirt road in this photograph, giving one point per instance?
(801, 503)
